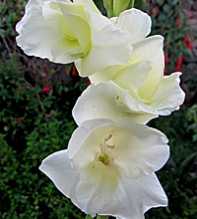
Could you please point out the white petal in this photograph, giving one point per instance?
(133, 76)
(136, 22)
(86, 193)
(106, 75)
(169, 95)
(93, 194)
(37, 37)
(89, 4)
(154, 195)
(76, 22)
(58, 168)
(141, 194)
(112, 47)
(146, 151)
(108, 101)
(131, 199)
(80, 134)
(150, 50)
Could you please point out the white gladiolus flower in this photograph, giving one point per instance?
(145, 92)
(110, 101)
(138, 26)
(108, 168)
(65, 32)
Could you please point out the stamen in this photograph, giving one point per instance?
(107, 144)
(104, 158)
(104, 155)
(108, 138)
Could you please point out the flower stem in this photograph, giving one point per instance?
(132, 3)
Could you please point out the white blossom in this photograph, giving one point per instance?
(109, 168)
(64, 32)
(142, 89)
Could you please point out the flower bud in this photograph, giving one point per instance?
(115, 7)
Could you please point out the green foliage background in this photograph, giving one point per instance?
(34, 124)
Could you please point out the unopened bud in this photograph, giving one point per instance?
(115, 7)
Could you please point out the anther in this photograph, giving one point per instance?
(108, 138)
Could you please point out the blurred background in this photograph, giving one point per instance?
(36, 100)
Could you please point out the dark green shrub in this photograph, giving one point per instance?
(33, 125)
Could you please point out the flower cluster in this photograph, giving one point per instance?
(110, 164)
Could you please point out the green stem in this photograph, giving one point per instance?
(108, 5)
(132, 3)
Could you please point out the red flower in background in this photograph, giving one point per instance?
(74, 73)
(187, 42)
(179, 63)
(46, 89)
